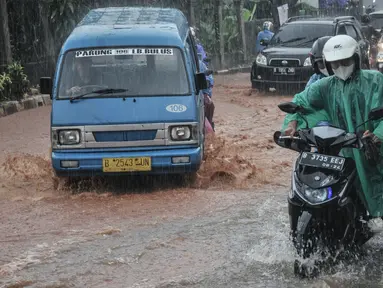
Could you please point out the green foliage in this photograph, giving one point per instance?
(5, 87)
(207, 27)
(13, 83)
(246, 14)
(64, 16)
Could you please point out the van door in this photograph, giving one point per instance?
(192, 55)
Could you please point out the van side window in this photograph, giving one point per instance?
(193, 51)
(191, 57)
(189, 53)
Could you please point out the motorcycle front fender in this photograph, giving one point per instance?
(303, 223)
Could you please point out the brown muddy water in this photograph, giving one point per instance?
(227, 229)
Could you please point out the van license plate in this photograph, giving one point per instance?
(126, 164)
(284, 71)
(322, 161)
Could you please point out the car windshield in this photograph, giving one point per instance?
(377, 21)
(141, 71)
(302, 35)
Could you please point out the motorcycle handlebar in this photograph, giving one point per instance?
(289, 138)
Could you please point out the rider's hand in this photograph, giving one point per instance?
(374, 138)
(291, 129)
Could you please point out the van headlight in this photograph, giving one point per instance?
(307, 62)
(180, 133)
(261, 60)
(317, 195)
(69, 137)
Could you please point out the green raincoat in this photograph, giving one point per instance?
(347, 104)
(313, 118)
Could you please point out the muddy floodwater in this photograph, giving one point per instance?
(227, 229)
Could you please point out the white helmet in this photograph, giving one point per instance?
(339, 48)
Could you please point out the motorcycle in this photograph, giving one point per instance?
(324, 208)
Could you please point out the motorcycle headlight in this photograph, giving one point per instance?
(261, 60)
(318, 195)
(180, 133)
(69, 137)
(307, 62)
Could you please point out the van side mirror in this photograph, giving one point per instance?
(376, 114)
(46, 85)
(200, 79)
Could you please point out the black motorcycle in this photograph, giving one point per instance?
(324, 206)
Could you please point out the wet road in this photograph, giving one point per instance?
(232, 231)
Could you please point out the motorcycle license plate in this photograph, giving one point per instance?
(322, 161)
(284, 71)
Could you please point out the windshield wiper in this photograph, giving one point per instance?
(308, 41)
(292, 40)
(99, 92)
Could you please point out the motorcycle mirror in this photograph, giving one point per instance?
(376, 114)
(290, 108)
(281, 142)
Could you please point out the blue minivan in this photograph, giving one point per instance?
(126, 95)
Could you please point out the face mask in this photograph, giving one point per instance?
(323, 71)
(344, 72)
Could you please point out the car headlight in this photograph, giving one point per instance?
(180, 133)
(69, 137)
(261, 60)
(307, 62)
(318, 195)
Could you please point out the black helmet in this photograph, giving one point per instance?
(316, 53)
(365, 19)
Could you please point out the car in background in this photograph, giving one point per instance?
(285, 64)
(377, 20)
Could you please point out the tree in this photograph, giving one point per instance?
(241, 26)
(5, 41)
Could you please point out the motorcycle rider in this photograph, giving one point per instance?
(320, 71)
(347, 97)
(207, 93)
(265, 34)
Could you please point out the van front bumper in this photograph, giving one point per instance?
(90, 163)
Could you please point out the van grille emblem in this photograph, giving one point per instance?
(284, 62)
(317, 178)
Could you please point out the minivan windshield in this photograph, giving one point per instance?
(302, 35)
(143, 71)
